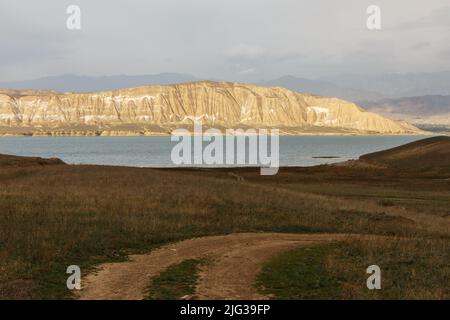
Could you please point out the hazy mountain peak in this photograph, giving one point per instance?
(77, 83)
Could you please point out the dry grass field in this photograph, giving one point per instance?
(53, 215)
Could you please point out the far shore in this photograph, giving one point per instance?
(281, 134)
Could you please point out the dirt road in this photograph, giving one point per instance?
(235, 261)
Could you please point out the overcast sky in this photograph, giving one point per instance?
(222, 39)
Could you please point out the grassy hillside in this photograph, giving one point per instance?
(432, 154)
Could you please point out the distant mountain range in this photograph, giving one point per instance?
(323, 88)
(398, 85)
(354, 88)
(75, 83)
(358, 88)
(424, 111)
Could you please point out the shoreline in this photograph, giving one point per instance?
(337, 134)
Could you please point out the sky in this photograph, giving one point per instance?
(239, 40)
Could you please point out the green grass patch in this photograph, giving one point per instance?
(300, 274)
(177, 281)
(410, 269)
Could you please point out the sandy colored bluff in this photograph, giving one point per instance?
(159, 109)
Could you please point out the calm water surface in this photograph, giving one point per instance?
(155, 151)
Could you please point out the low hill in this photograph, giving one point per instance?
(16, 161)
(431, 154)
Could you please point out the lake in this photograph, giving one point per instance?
(156, 151)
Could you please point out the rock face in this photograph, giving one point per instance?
(160, 109)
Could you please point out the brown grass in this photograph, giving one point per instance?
(55, 216)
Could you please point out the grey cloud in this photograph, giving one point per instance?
(221, 39)
(245, 52)
(420, 45)
(439, 18)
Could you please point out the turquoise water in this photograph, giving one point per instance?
(156, 151)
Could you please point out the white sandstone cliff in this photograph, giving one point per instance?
(160, 109)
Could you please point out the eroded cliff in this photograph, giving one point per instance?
(160, 109)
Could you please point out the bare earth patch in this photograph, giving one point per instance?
(236, 260)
